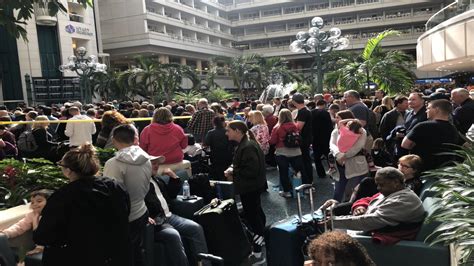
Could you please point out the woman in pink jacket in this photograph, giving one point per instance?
(30, 221)
(163, 137)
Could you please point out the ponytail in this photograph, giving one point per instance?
(251, 136)
(82, 160)
(242, 127)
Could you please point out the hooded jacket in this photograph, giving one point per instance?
(164, 140)
(132, 167)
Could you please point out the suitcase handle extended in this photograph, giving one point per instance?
(328, 212)
(299, 190)
(211, 258)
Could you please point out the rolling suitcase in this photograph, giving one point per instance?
(224, 233)
(286, 239)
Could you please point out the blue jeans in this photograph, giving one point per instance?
(284, 163)
(191, 231)
(340, 186)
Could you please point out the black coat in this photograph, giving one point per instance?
(389, 122)
(86, 223)
(249, 167)
(464, 116)
(322, 128)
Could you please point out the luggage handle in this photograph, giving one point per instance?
(328, 211)
(300, 189)
(210, 257)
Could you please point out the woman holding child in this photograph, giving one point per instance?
(346, 146)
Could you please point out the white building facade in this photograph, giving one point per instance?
(192, 31)
(29, 70)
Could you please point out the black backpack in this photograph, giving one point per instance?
(292, 140)
(26, 142)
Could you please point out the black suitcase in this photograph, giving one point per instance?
(287, 239)
(224, 233)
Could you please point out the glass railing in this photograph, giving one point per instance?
(456, 8)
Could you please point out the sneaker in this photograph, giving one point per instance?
(254, 260)
(285, 194)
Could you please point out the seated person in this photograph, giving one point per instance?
(409, 165)
(395, 208)
(170, 228)
(31, 220)
(337, 248)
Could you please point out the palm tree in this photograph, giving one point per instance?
(243, 70)
(107, 85)
(145, 76)
(389, 70)
(275, 69)
(171, 77)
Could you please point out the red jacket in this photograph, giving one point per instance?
(279, 133)
(364, 202)
(271, 122)
(167, 140)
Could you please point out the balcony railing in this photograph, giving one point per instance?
(450, 11)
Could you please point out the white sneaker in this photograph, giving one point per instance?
(285, 194)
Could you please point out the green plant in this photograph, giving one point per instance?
(190, 96)
(217, 95)
(455, 188)
(18, 179)
(104, 154)
(389, 70)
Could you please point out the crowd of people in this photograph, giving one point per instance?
(376, 150)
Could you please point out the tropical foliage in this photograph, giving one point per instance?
(18, 179)
(151, 78)
(455, 188)
(255, 72)
(191, 96)
(217, 95)
(389, 70)
(15, 24)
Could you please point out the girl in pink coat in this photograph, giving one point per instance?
(30, 221)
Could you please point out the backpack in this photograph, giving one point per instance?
(292, 140)
(26, 142)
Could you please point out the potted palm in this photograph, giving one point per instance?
(454, 186)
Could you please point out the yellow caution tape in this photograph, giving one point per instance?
(84, 121)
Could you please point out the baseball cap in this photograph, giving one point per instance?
(298, 98)
(436, 96)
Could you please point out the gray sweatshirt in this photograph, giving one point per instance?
(403, 206)
(132, 167)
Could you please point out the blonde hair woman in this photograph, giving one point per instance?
(260, 130)
(44, 140)
(286, 156)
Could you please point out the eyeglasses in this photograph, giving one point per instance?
(404, 165)
(60, 163)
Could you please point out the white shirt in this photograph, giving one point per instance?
(162, 199)
(80, 132)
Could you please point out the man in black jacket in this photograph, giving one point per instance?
(393, 118)
(171, 228)
(322, 128)
(463, 115)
